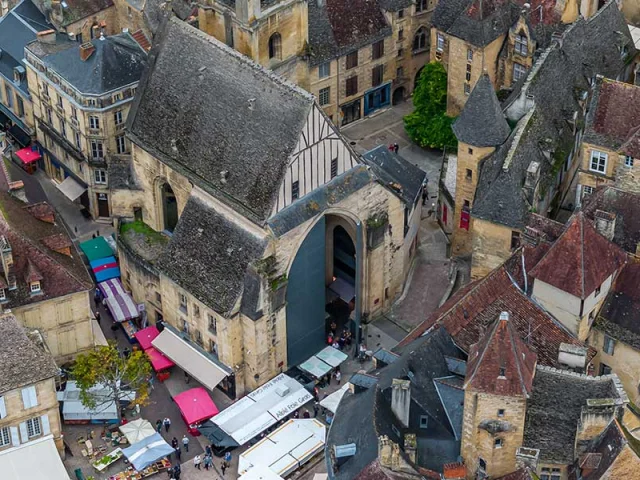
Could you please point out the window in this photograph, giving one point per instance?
(5, 437)
(3, 408)
(196, 310)
(96, 149)
(605, 369)
(9, 92)
(324, 70)
(94, 122)
(60, 101)
(295, 190)
(117, 117)
(515, 240)
(198, 337)
(497, 443)
(424, 421)
(100, 176)
(33, 427)
(3, 297)
(74, 113)
(213, 348)
(275, 46)
(352, 85)
(77, 138)
(185, 325)
(213, 326)
(550, 474)
(421, 5)
(401, 13)
(628, 161)
(467, 89)
(501, 412)
(503, 372)
(598, 290)
(586, 190)
(377, 74)
(352, 60)
(35, 287)
(334, 167)
(598, 161)
(121, 144)
(440, 44)
(29, 397)
(519, 71)
(401, 34)
(420, 40)
(377, 50)
(482, 464)
(49, 116)
(521, 45)
(45, 89)
(400, 52)
(399, 72)
(63, 127)
(20, 106)
(117, 97)
(609, 345)
(470, 150)
(468, 75)
(469, 174)
(324, 96)
(183, 302)
(469, 55)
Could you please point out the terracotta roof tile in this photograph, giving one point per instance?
(42, 211)
(617, 112)
(580, 260)
(57, 241)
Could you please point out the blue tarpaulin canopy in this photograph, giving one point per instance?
(147, 451)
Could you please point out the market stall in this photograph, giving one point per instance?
(147, 451)
(137, 430)
(146, 336)
(74, 412)
(105, 268)
(122, 307)
(331, 402)
(159, 362)
(132, 474)
(96, 248)
(28, 157)
(38, 458)
(196, 407)
(260, 472)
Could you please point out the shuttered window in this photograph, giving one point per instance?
(29, 398)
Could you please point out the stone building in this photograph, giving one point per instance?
(271, 222)
(497, 37)
(82, 94)
(44, 281)
(28, 403)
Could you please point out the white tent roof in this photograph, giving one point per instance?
(260, 473)
(71, 189)
(137, 430)
(33, 461)
(287, 448)
(331, 402)
(262, 408)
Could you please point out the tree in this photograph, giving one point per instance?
(104, 375)
(428, 125)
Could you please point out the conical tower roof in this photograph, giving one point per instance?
(482, 123)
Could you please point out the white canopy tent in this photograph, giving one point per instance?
(260, 473)
(34, 460)
(331, 402)
(71, 188)
(287, 448)
(137, 430)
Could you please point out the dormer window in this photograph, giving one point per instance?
(35, 287)
(503, 372)
(522, 45)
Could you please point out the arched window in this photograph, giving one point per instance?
(420, 39)
(421, 5)
(275, 46)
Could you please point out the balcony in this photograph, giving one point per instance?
(60, 140)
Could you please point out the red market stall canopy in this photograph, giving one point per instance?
(158, 361)
(196, 405)
(146, 336)
(27, 155)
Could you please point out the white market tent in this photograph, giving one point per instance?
(74, 411)
(260, 473)
(137, 430)
(287, 448)
(262, 408)
(33, 461)
(331, 402)
(322, 362)
(148, 450)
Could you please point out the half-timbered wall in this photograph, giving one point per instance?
(310, 163)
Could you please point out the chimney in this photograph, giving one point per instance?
(86, 50)
(531, 180)
(454, 471)
(401, 399)
(384, 451)
(47, 36)
(573, 357)
(605, 223)
(7, 263)
(527, 458)
(594, 418)
(247, 10)
(410, 446)
(57, 15)
(342, 453)
(531, 236)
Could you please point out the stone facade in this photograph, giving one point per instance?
(491, 245)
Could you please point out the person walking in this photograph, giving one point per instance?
(227, 457)
(223, 467)
(174, 443)
(208, 461)
(315, 409)
(197, 460)
(98, 317)
(396, 147)
(207, 450)
(158, 425)
(167, 423)
(178, 453)
(338, 376)
(185, 442)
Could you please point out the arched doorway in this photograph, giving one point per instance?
(169, 208)
(398, 95)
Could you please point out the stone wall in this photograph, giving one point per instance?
(491, 246)
(628, 177)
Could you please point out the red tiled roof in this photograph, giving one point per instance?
(32, 273)
(57, 242)
(618, 110)
(522, 474)
(580, 260)
(142, 40)
(454, 471)
(42, 211)
(631, 146)
(500, 363)
(354, 20)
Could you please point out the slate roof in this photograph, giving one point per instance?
(500, 363)
(394, 5)
(401, 176)
(625, 205)
(235, 140)
(619, 317)
(580, 260)
(208, 255)
(554, 409)
(343, 26)
(60, 274)
(117, 61)
(451, 393)
(22, 362)
(614, 114)
(482, 122)
(75, 10)
(471, 311)
(555, 86)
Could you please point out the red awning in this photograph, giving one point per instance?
(146, 336)
(196, 405)
(158, 361)
(28, 156)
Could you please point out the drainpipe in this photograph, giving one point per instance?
(359, 249)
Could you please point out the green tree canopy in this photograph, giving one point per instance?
(428, 125)
(104, 375)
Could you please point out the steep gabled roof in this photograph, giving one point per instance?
(500, 363)
(482, 122)
(580, 260)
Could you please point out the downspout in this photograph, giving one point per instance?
(358, 316)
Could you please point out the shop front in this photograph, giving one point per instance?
(350, 112)
(377, 98)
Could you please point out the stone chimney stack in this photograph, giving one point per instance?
(46, 36)
(573, 357)
(247, 10)
(410, 446)
(7, 263)
(594, 418)
(527, 458)
(401, 400)
(86, 50)
(605, 224)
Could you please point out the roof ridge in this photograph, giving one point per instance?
(517, 357)
(581, 219)
(484, 351)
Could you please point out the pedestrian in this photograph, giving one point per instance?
(390, 147)
(338, 376)
(186, 377)
(98, 317)
(174, 442)
(158, 425)
(185, 442)
(208, 461)
(197, 460)
(425, 195)
(223, 467)
(296, 414)
(207, 450)
(227, 457)
(167, 423)
(178, 453)
(315, 409)
(306, 414)
(177, 471)
(170, 472)
(396, 147)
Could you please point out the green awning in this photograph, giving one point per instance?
(96, 249)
